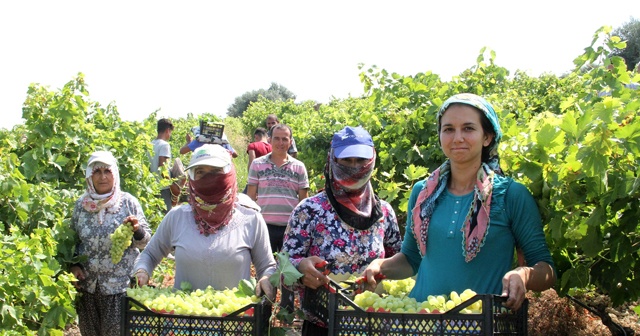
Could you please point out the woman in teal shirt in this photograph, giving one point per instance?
(466, 219)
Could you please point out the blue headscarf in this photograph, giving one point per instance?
(486, 108)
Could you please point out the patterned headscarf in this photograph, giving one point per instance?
(101, 203)
(477, 222)
(350, 193)
(212, 198)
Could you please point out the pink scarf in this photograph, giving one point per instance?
(476, 224)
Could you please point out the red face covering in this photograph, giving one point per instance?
(212, 198)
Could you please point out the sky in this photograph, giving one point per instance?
(197, 56)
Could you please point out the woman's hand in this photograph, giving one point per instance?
(370, 274)
(77, 272)
(311, 276)
(264, 287)
(142, 277)
(513, 287)
(133, 221)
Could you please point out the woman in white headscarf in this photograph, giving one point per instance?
(97, 214)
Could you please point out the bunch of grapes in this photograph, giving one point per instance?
(120, 240)
(398, 287)
(207, 302)
(373, 302)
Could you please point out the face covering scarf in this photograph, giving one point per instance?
(212, 198)
(93, 202)
(350, 193)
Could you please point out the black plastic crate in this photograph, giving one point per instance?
(146, 322)
(344, 317)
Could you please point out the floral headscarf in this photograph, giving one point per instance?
(101, 203)
(477, 222)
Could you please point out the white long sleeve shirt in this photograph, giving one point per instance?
(220, 260)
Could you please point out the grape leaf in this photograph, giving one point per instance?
(285, 271)
(247, 287)
(185, 286)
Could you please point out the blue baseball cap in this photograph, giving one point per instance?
(352, 142)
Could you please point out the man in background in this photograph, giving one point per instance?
(277, 182)
(271, 121)
(162, 155)
(260, 145)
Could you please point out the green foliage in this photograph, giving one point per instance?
(573, 141)
(42, 174)
(36, 294)
(275, 92)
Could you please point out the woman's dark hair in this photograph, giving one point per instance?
(487, 127)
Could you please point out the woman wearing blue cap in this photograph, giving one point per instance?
(466, 219)
(346, 225)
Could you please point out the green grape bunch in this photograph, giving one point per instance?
(120, 240)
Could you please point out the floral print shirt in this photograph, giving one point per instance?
(101, 274)
(316, 230)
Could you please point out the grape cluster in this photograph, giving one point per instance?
(120, 240)
(398, 287)
(396, 300)
(207, 302)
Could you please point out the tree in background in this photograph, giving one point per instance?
(629, 32)
(275, 92)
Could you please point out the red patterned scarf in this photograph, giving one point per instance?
(212, 198)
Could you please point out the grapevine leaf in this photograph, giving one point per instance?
(9, 315)
(247, 287)
(185, 286)
(286, 271)
(591, 243)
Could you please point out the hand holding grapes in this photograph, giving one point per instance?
(121, 238)
(133, 221)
